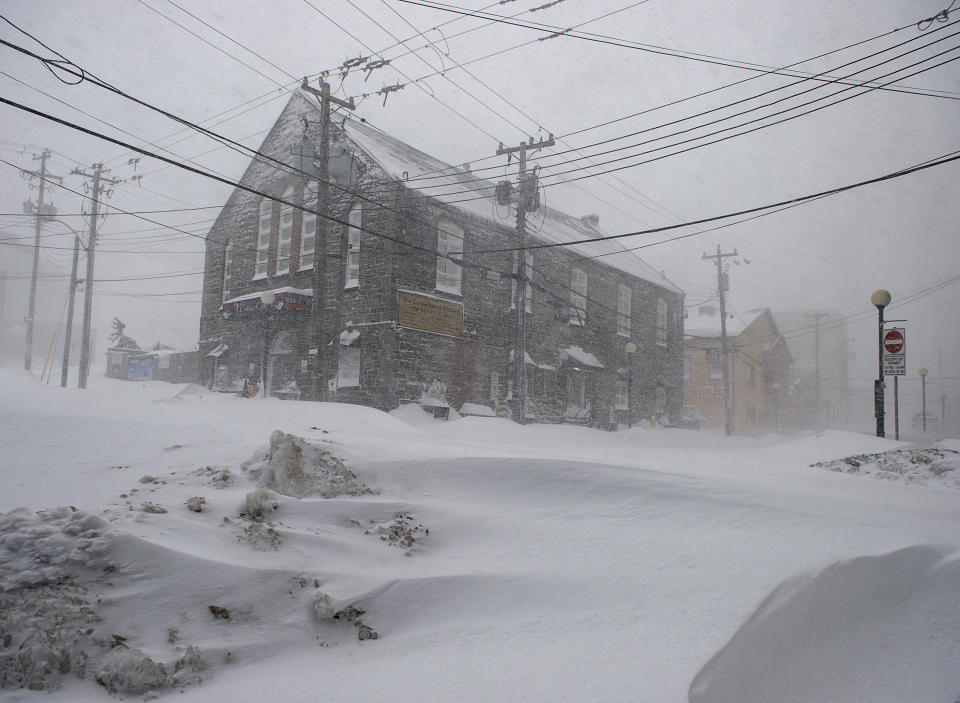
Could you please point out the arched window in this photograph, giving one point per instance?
(265, 224)
(308, 241)
(285, 237)
(227, 270)
(352, 277)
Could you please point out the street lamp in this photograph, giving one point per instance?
(923, 381)
(880, 299)
(630, 349)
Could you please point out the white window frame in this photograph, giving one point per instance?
(661, 322)
(449, 243)
(264, 230)
(351, 276)
(348, 374)
(227, 270)
(528, 303)
(714, 361)
(308, 228)
(578, 296)
(285, 235)
(623, 394)
(624, 301)
(660, 400)
(494, 385)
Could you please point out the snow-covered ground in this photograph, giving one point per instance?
(493, 562)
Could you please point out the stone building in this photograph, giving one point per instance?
(416, 301)
(759, 366)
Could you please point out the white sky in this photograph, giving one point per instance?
(900, 235)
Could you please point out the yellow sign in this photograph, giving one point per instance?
(421, 312)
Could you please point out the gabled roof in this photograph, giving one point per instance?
(707, 325)
(466, 192)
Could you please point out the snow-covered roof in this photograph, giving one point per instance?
(579, 356)
(474, 195)
(348, 337)
(705, 324)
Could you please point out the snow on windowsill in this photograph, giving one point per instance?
(259, 276)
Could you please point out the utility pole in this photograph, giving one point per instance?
(723, 285)
(320, 242)
(68, 336)
(39, 215)
(99, 182)
(527, 201)
(816, 366)
(943, 397)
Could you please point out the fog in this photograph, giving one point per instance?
(828, 254)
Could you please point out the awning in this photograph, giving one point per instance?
(528, 360)
(218, 351)
(576, 356)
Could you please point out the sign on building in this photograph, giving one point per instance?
(429, 314)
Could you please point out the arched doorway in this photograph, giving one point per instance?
(280, 381)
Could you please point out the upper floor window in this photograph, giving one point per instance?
(449, 244)
(686, 368)
(578, 296)
(661, 321)
(623, 310)
(308, 238)
(227, 270)
(285, 238)
(352, 277)
(264, 226)
(715, 362)
(528, 290)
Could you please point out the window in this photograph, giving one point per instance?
(686, 368)
(348, 371)
(308, 240)
(494, 385)
(660, 404)
(715, 361)
(528, 306)
(352, 277)
(578, 296)
(623, 310)
(265, 224)
(286, 233)
(227, 270)
(623, 394)
(449, 243)
(661, 322)
(751, 374)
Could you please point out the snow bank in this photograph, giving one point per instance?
(882, 629)
(934, 466)
(292, 466)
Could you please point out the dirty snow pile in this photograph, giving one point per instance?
(938, 465)
(354, 555)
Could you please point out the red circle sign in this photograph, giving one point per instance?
(893, 341)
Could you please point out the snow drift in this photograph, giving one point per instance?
(877, 629)
(292, 466)
(933, 466)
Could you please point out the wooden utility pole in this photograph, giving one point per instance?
(68, 336)
(526, 202)
(816, 366)
(39, 215)
(99, 184)
(723, 284)
(320, 243)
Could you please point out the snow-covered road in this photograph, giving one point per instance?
(562, 563)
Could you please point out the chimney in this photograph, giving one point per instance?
(591, 220)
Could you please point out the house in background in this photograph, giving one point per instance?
(416, 294)
(759, 365)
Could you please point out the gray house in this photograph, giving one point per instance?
(400, 321)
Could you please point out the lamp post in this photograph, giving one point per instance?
(629, 349)
(880, 299)
(267, 298)
(923, 387)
